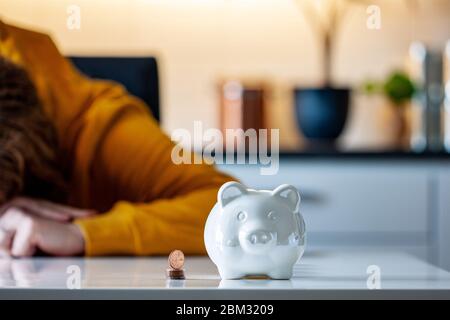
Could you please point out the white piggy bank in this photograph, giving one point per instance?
(255, 232)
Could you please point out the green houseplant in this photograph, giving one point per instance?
(399, 90)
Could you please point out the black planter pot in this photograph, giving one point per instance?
(322, 112)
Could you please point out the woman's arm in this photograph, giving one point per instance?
(112, 142)
(166, 205)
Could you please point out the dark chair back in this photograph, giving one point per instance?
(138, 75)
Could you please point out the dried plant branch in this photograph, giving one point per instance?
(306, 9)
(337, 10)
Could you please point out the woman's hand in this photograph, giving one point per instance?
(22, 233)
(48, 210)
(30, 224)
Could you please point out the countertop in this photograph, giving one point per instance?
(366, 155)
(319, 274)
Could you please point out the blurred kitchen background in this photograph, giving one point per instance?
(200, 44)
(360, 103)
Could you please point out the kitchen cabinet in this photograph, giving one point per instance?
(390, 202)
(442, 223)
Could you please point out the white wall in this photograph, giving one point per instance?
(202, 41)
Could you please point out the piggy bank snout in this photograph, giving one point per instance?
(259, 237)
(257, 240)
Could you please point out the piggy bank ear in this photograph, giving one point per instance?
(289, 195)
(229, 192)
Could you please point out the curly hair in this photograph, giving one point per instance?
(28, 140)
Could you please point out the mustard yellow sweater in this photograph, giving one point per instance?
(120, 160)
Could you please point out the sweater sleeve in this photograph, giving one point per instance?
(169, 203)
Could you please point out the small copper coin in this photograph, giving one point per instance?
(176, 259)
(175, 274)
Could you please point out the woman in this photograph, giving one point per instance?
(84, 168)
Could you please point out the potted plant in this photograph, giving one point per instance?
(399, 90)
(322, 111)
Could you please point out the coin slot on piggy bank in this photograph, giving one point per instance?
(255, 232)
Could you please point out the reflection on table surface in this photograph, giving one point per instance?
(349, 269)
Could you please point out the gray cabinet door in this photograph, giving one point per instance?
(443, 225)
(354, 203)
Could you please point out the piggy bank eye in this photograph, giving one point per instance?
(272, 215)
(241, 216)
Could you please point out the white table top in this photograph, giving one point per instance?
(319, 274)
